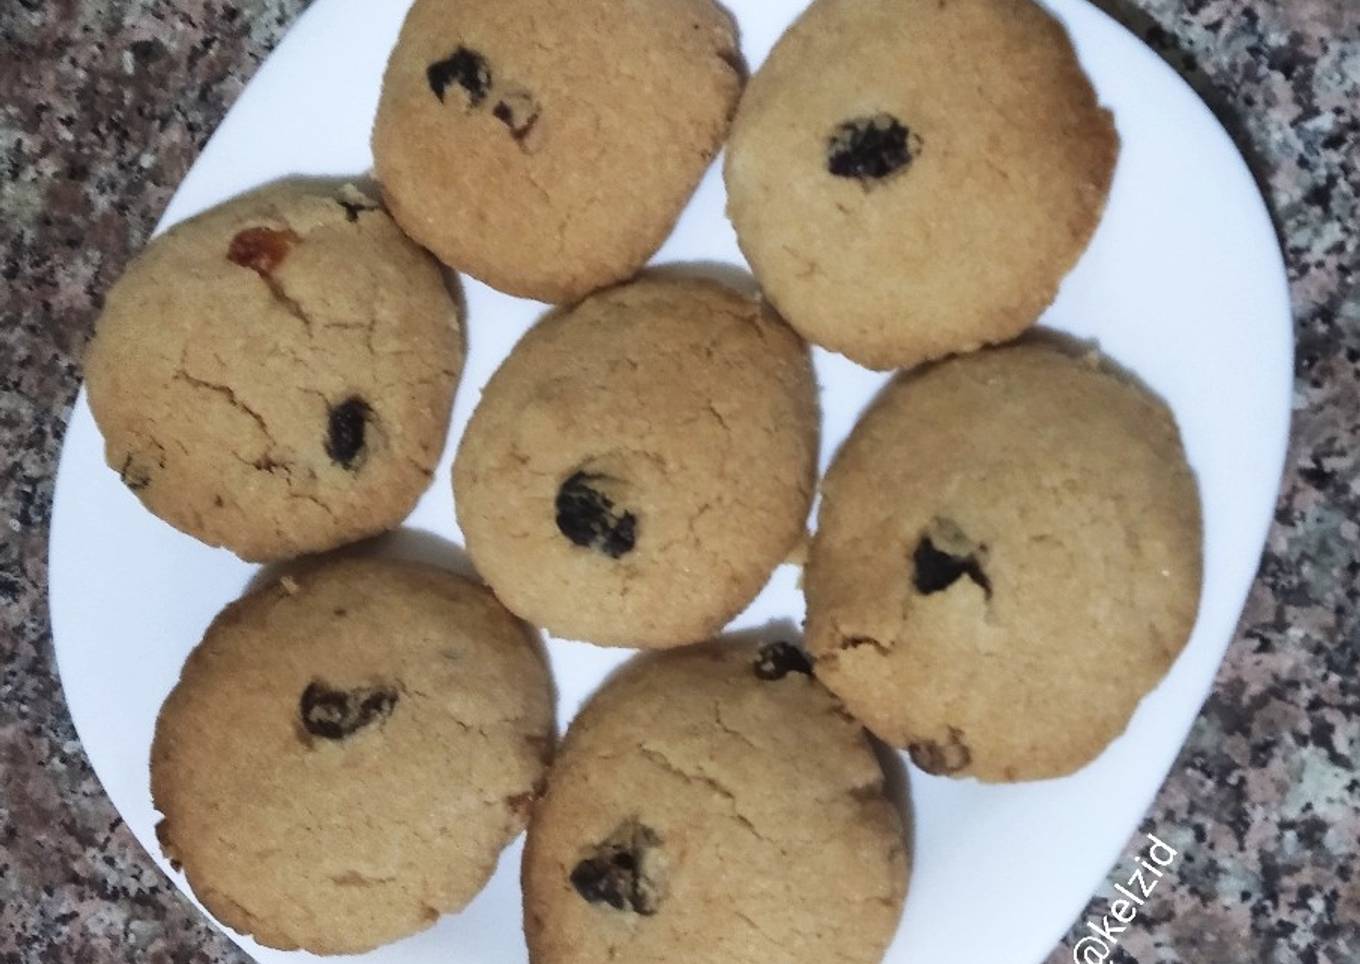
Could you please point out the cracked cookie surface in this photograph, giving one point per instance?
(1007, 559)
(348, 751)
(547, 147)
(640, 464)
(276, 375)
(703, 812)
(913, 178)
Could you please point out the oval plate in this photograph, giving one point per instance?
(1183, 284)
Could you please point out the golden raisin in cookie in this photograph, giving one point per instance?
(640, 464)
(276, 375)
(912, 178)
(714, 805)
(348, 751)
(547, 147)
(1008, 558)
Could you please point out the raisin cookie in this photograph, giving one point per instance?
(276, 375)
(547, 147)
(714, 805)
(640, 464)
(348, 751)
(913, 178)
(1007, 560)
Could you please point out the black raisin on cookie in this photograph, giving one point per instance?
(776, 660)
(941, 758)
(871, 148)
(621, 872)
(517, 110)
(334, 714)
(261, 249)
(464, 67)
(346, 426)
(353, 208)
(943, 556)
(588, 517)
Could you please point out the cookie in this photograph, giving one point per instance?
(276, 375)
(1007, 559)
(348, 751)
(714, 805)
(547, 147)
(913, 178)
(640, 464)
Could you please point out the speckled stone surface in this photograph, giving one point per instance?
(105, 103)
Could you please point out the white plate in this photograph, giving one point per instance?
(1183, 284)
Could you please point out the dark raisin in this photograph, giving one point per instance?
(587, 517)
(345, 429)
(777, 660)
(466, 68)
(336, 714)
(621, 539)
(595, 880)
(937, 570)
(353, 208)
(261, 250)
(616, 873)
(871, 148)
(939, 758)
(517, 110)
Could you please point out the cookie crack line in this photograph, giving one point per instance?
(426, 470)
(290, 304)
(262, 250)
(227, 392)
(293, 494)
(662, 760)
(513, 723)
(749, 921)
(368, 327)
(852, 642)
(723, 725)
(355, 878)
(268, 467)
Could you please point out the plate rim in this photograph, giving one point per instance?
(1284, 350)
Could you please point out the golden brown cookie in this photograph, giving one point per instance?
(348, 751)
(640, 464)
(547, 147)
(1008, 558)
(714, 806)
(276, 375)
(913, 178)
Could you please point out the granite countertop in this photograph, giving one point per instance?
(104, 105)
